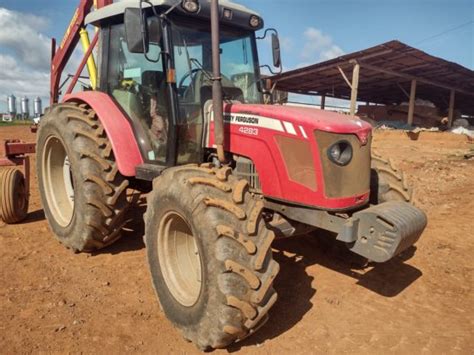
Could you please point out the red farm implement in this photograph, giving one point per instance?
(15, 179)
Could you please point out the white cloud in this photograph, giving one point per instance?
(22, 81)
(24, 56)
(20, 34)
(319, 47)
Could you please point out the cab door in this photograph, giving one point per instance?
(138, 85)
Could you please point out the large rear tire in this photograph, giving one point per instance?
(209, 253)
(83, 194)
(13, 196)
(388, 182)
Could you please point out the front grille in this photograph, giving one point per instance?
(344, 181)
(245, 169)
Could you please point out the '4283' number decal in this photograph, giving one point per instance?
(249, 130)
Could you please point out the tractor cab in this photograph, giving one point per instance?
(157, 65)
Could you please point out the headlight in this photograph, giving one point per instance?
(190, 5)
(254, 21)
(340, 153)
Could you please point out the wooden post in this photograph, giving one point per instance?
(452, 97)
(355, 88)
(323, 102)
(411, 107)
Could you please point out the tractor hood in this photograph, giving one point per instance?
(299, 120)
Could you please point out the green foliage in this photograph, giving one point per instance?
(16, 123)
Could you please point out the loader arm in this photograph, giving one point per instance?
(61, 55)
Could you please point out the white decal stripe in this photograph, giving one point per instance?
(289, 128)
(303, 132)
(254, 121)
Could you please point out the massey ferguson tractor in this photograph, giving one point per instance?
(175, 109)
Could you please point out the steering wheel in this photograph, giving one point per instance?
(187, 75)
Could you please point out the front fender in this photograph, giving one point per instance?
(117, 126)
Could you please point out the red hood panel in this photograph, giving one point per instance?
(311, 118)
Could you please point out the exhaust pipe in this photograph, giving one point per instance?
(217, 82)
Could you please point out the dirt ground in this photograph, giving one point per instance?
(52, 300)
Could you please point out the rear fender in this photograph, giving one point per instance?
(117, 126)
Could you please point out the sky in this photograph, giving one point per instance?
(310, 31)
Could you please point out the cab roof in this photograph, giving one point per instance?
(118, 8)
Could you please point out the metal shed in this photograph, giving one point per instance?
(389, 73)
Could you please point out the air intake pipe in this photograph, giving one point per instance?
(217, 102)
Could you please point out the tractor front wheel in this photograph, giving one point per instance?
(388, 182)
(209, 253)
(13, 196)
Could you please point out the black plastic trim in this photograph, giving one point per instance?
(149, 172)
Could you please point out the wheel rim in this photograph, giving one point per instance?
(179, 259)
(58, 181)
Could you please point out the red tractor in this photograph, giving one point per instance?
(177, 111)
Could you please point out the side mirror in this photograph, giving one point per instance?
(276, 50)
(136, 31)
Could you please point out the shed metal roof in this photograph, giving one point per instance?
(386, 72)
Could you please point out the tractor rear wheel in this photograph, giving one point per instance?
(388, 182)
(13, 196)
(209, 253)
(83, 194)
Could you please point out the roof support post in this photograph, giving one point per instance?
(323, 102)
(354, 88)
(411, 105)
(452, 98)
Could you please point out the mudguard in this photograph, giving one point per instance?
(117, 126)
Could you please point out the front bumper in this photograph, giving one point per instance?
(377, 233)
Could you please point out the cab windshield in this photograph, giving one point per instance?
(192, 56)
(193, 63)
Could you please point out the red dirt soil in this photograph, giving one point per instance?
(52, 300)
